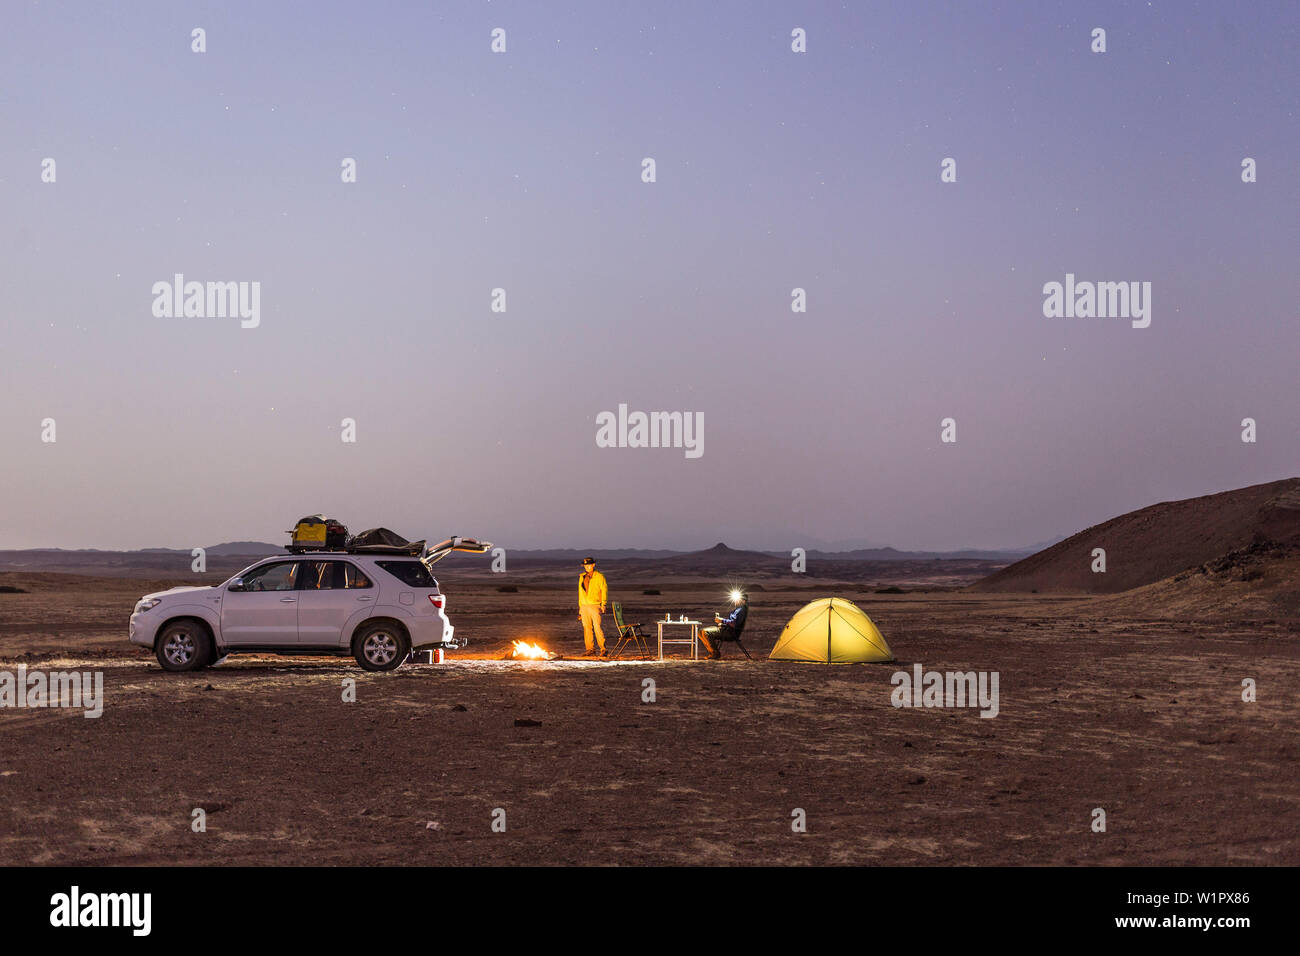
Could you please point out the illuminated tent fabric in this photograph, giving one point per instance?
(832, 631)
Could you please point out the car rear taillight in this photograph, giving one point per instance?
(435, 600)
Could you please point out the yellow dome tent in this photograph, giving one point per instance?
(832, 631)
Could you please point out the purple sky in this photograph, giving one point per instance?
(522, 170)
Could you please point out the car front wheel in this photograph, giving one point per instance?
(381, 647)
(183, 646)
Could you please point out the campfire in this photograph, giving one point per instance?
(524, 651)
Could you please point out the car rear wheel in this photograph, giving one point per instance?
(183, 646)
(381, 647)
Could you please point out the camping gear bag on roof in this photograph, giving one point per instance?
(383, 541)
(317, 533)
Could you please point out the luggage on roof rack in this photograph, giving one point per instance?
(317, 533)
(382, 541)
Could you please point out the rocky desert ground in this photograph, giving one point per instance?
(1101, 706)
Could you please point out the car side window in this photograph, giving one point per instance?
(411, 573)
(281, 576)
(333, 576)
(318, 575)
(354, 577)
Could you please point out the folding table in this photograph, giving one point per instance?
(692, 640)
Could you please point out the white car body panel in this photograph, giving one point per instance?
(270, 617)
(324, 616)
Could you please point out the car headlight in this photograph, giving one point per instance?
(146, 605)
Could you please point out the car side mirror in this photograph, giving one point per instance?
(236, 585)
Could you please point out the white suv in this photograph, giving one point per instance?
(376, 607)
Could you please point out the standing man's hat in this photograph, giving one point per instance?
(588, 560)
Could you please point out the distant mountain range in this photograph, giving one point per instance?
(1234, 552)
(722, 550)
(263, 548)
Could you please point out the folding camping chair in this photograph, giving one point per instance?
(736, 637)
(628, 633)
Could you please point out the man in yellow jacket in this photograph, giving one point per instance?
(592, 594)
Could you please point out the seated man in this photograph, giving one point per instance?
(726, 628)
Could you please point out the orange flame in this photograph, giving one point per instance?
(530, 651)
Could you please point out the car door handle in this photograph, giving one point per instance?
(287, 600)
(365, 599)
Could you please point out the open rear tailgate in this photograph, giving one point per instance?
(436, 552)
